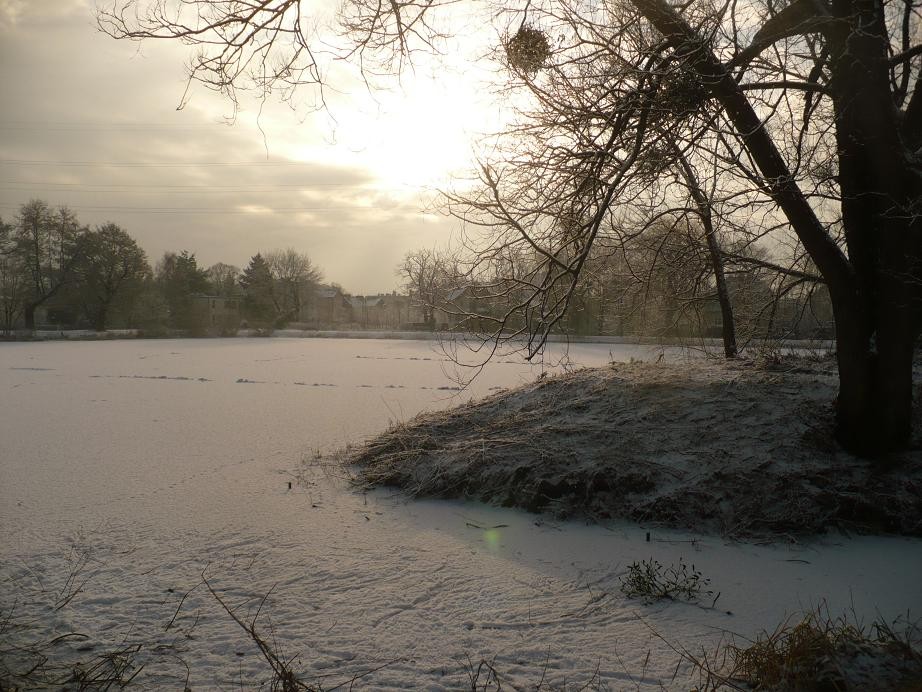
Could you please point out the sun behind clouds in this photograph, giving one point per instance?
(428, 133)
(416, 131)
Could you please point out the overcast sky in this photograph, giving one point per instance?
(91, 123)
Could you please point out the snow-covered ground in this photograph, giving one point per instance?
(129, 467)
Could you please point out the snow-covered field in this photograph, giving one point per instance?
(129, 467)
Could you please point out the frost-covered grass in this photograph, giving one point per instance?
(738, 449)
(128, 468)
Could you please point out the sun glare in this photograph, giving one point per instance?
(428, 133)
(416, 136)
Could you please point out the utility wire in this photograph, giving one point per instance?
(44, 126)
(117, 164)
(258, 209)
(154, 188)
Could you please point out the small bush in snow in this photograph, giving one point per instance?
(650, 581)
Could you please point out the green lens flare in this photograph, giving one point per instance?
(491, 538)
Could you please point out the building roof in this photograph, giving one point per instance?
(456, 293)
(368, 301)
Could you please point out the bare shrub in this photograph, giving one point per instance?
(650, 581)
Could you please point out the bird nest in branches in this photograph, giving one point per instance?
(527, 50)
(681, 95)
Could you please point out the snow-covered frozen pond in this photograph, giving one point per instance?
(129, 467)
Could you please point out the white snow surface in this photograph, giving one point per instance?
(129, 467)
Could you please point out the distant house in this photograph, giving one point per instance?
(217, 314)
(465, 307)
(807, 315)
(444, 315)
(327, 308)
(711, 318)
(400, 310)
(381, 311)
(369, 312)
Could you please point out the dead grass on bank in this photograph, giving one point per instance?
(819, 653)
(30, 664)
(736, 449)
(814, 652)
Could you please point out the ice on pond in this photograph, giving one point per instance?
(128, 468)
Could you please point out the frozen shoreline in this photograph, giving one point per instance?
(818, 345)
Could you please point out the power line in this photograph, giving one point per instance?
(139, 123)
(217, 210)
(43, 126)
(118, 164)
(177, 186)
(18, 185)
(173, 188)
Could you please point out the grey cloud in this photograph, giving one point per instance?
(71, 94)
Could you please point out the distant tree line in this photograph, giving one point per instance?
(668, 281)
(56, 271)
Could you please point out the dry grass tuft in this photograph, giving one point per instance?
(812, 653)
(818, 653)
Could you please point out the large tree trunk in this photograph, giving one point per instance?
(727, 324)
(877, 326)
(874, 406)
(100, 319)
(28, 316)
(878, 323)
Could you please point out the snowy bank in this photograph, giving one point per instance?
(730, 448)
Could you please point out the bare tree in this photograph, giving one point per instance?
(702, 204)
(49, 245)
(670, 268)
(13, 280)
(427, 277)
(809, 113)
(294, 278)
(805, 115)
(112, 266)
(832, 84)
(222, 279)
